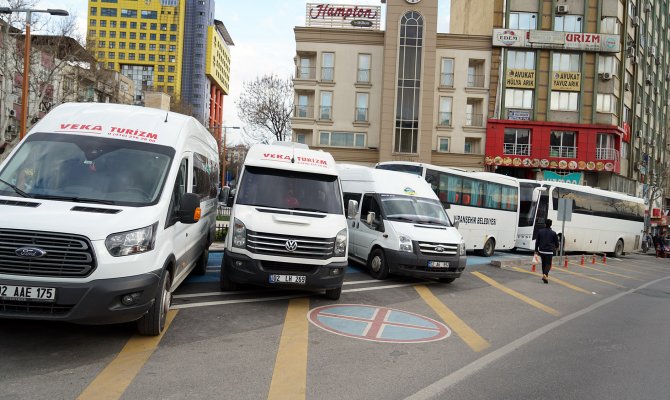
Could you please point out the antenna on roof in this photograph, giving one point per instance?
(293, 155)
(166, 115)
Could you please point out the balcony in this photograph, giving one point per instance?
(327, 74)
(361, 114)
(444, 119)
(363, 76)
(476, 81)
(447, 80)
(305, 73)
(563, 151)
(303, 112)
(474, 120)
(516, 149)
(325, 113)
(607, 154)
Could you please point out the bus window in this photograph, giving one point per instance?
(433, 177)
(493, 194)
(473, 192)
(510, 198)
(451, 185)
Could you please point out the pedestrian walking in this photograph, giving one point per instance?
(546, 245)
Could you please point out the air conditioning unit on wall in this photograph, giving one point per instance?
(606, 76)
(562, 9)
(12, 113)
(635, 21)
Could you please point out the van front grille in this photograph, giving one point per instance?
(32, 307)
(64, 255)
(439, 249)
(290, 246)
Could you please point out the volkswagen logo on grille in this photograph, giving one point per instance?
(30, 252)
(291, 245)
(439, 249)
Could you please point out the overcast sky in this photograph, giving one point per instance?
(263, 36)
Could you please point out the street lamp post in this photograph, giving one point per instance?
(26, 56)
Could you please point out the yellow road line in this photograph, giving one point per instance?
(289, 380)
(631, 268)
(609, 273)
(553, 279)
(469, 336)
(113, 381)
(592, 277)
(516, 294)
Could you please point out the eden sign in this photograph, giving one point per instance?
(343, 16)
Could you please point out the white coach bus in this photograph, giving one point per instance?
(484, 205)
(602, 221)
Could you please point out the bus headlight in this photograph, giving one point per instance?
(405, 243)
(341, 243)
(461, 248)
(132, 242)
(239, 234)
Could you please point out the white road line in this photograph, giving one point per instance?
(440, 387)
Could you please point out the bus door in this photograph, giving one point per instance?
(542, 209)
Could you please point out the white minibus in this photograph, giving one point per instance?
(104, 210)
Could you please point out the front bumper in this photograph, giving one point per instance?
(240, 268)
(416, 265)
(96, 302)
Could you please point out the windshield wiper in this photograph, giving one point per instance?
(17, 190)
(308, 210)
(429, 222)
(74, 199)
(402, 219)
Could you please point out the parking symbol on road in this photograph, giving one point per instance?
(377, 324)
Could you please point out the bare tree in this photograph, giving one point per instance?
(656, 184)
(266, 106)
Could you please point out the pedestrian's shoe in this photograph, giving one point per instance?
(544, 278)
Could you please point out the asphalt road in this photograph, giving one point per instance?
(598, 331)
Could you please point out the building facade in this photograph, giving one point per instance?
(404, 93)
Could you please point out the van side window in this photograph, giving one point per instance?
(350, 196)
(177, 192)
(205, 177)
(370, 204)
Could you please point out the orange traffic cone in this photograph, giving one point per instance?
(582, 262)
(604, 258)
(565, 265)
(593, 260)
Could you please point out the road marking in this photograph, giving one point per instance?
(469, 336)
(113, 381)
(289, 380)
(553, 279)
(592, 277)
(438, 388)
(516, 294)
(611, 273)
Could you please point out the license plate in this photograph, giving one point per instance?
(23, 293)
(297, 279)
(438, 264)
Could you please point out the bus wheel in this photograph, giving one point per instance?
(377, 265)
(489, 248)
(618, 249)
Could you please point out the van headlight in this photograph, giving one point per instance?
(461, 248)
(132, 242)
(239, 234)
(341, 243)
(405, 243)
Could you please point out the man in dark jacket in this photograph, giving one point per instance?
(546, 245)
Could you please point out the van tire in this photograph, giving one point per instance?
(201, 264)
(489, 248)
(334, 294)
(153, 322)
(377, 265)
(446, 280)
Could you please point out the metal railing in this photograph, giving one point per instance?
(305, 73)
(476, 81)
(303, 112)
(562, 151)
(444, 119)
(447, 79)
(326, 113)
(361, 114)
(516, 149)
(327, 74)
(363, 76)
(607, 154)
(472, 119)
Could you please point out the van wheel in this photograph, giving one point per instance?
(201, 265)
(489, 248)
(618, 249)
(153, 322)
(334, 294)
(377, 265)
(446, 280)
(225, 284)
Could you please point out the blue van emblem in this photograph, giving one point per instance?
(30, 252)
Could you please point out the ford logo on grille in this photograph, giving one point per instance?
(439, 249)
(291, 245)
(30, 252)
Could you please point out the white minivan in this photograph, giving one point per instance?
(104, 210)
(400, 226)
(287, 223)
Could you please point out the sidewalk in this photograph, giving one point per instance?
(217, 246)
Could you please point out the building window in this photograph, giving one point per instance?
(128, 14)
(564, 101)
(476, 74)
(131, 56)
(102, 34)
(470, 146)
(568, 23)
(447, 72)
(342, 139)
(108, 12)
(444, 116)
(123, 24)
(163, 37)
(152, 57)
(608, 64)
(326, 109)
(101, 44)
(522, 20)
(112, 34)
(305, 68)
(606, 146)
(101, 54)
(302, 109)
(364, 64)
(300, 138)
(410, 54)
(143, 46)
(473, 113)
(162, 47)
(112, 45)
(153, 26)
(605, 103)
(443, 144)
(133, 25)
(110, 65)
(122, 45)
(92, 23)
(327, 67)
(521, 59)
(110, 55)
(362, 100)
(609, 25)
(143, 36)
(565, 62)
(132, 35)
(161, 68)
(103, 23)
(563, 144)
(517, 142)
(93, 12)
(122, 35)
(519, 98)
(152, 36)
(152, 46)
(173, 27)
(149, 14)
(122, 56)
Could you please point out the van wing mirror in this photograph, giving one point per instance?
(352, 209)
(370, 218)
(456, 224)
(189, 213)
(224, 193)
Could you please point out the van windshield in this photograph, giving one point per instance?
(87, 169)
(300, 191)
(413, 209)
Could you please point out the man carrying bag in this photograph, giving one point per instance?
(546, 245)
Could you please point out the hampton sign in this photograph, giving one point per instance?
(343, 16)
(556, 40)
